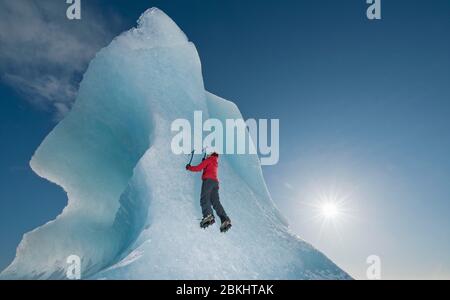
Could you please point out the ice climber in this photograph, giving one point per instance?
(210, 192)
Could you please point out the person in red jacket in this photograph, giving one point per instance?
(210, 192)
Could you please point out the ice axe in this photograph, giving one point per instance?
(204, 155)
(192, 156)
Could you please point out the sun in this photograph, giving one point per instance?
(330, 210)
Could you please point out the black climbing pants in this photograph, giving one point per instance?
(210, 196)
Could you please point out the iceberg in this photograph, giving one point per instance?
(132, 210)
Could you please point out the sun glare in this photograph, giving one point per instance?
(330, 210)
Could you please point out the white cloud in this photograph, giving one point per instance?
(43, 54)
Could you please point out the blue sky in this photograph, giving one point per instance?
(363, 108)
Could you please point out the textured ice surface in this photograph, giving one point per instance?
(132, 208)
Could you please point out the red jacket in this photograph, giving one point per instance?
(209, 167)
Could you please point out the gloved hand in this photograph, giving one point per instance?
(187, 166)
